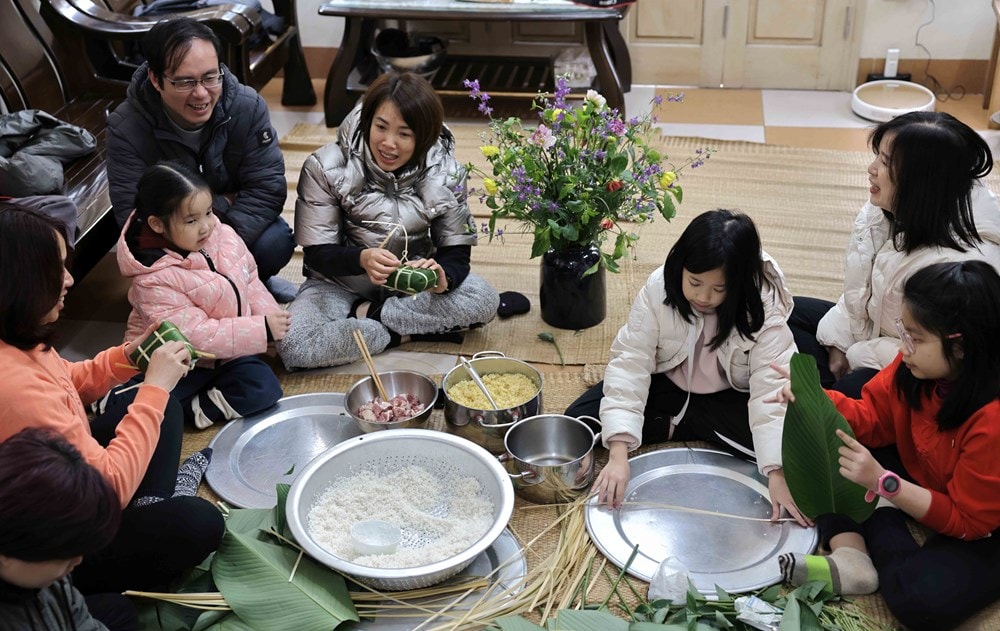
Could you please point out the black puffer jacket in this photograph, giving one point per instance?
(239, 155)
(58, 607)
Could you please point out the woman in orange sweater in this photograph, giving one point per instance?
(135, 445)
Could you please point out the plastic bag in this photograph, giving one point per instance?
(670, 581)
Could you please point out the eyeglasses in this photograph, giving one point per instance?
(188, 85)
(905, 337)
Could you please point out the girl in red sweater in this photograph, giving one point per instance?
(927, 441)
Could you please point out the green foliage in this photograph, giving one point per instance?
(268, 585)
(581, 174)
(810, 449)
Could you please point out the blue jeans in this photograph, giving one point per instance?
(273, 249)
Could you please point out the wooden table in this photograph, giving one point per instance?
(355, 63)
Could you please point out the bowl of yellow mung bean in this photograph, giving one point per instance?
(515, 386)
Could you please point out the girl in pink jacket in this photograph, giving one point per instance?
(189, 268)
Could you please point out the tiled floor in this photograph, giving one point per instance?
(96, 310)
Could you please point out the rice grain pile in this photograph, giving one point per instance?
(439, 516)
(509, 390)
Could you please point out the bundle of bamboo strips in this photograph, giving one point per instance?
(552, 583)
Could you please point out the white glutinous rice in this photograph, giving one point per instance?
(439, 516)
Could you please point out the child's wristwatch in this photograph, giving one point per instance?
(888, 485)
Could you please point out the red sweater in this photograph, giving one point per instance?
(960, 466)
(41, 389)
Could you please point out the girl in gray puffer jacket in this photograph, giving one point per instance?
(388, 191)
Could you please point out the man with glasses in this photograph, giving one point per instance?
(183, 105)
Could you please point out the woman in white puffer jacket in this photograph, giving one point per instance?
(928, 205)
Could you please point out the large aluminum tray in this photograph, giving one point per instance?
(738, 555)
(252, 454)
(505, 553)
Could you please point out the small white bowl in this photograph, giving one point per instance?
(375, 536)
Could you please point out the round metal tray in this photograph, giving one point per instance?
(738, 555)
(252, 454)
(505, 552)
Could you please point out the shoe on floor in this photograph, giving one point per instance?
(284, 291)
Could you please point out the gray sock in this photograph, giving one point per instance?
(145, 500)
(191, 471)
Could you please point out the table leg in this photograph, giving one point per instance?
(619, 53)
(607, 75)
(337, 99)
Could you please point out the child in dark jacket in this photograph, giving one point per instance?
(54, 509)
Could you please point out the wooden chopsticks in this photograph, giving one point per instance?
(367, 356)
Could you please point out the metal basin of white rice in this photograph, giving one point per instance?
(390, 452)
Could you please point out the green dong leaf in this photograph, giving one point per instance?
(810, 449)
(248, 565)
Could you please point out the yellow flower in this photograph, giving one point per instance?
(488, 184)
(489, 151)
(667, 178)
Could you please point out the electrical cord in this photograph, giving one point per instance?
(940, 93)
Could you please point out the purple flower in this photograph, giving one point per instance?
(616, 126)
(562, 89)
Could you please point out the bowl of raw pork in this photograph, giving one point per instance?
(411, 400)
(449, 498)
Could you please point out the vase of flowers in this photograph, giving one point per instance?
(570, 297)
(581, 179)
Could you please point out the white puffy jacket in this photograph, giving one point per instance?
(656, 339)
(863, 322)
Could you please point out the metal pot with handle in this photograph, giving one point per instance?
(552, 457)
(487, 427)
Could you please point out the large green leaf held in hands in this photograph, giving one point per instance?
(809, 449)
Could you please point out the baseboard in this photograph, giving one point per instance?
(950, 73)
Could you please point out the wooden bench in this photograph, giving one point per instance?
(107, 26)
(41, 71)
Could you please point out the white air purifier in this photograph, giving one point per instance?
(886, 99)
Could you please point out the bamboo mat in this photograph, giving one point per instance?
(803, 201)
(529, 520)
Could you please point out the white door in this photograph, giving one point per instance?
(804, 44)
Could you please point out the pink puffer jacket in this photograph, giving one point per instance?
(214, 296)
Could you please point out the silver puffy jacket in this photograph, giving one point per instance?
(341, 187)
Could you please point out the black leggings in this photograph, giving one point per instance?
(155, 543)
(803, 322)
(708, 415)
(935, 586)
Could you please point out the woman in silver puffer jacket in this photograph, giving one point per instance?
(388, 191)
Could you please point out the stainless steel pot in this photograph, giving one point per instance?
(488, 427)
(552, 457)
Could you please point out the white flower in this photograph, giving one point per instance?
(595, 97)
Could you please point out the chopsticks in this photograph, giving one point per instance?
(367, 356)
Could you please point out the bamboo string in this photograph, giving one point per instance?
(673, 507)
(367, 356)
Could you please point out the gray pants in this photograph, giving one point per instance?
(320, 334)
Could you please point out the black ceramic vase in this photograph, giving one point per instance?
(569, 299)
